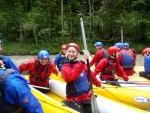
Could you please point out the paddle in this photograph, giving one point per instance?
(93, 100)
(128, 82)
(40, 87)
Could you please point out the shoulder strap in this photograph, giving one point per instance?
(2, 79)
(37, 71)
(4, 76)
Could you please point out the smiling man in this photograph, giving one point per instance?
(39, 69)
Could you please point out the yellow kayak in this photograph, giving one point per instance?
(132, 95)
(137, 69)
(51, 101)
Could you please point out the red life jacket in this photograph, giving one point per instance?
(40, 76)
(105, 55)
(109, 70)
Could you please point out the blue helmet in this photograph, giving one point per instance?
(43, 54)
(126, 44)
(119, 44)
(98, 44)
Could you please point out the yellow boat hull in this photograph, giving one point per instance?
(139, 98)
(111, 95)
(138, 69)
(50, 102)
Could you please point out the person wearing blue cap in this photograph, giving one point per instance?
(119, 45)
(126, 59)
(127, 49)
(39, 69)
(100, 53)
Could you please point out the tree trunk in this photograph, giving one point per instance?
(49, 24)
(33, 25)
(20, 27)
(62, 25)
(90, 14)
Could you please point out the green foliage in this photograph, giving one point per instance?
(25, 23)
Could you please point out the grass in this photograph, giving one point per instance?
(14, 48)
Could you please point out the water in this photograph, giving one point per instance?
(20, 59)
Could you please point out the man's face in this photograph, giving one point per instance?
(126, 47)
(43, 61)
(98, 48)
(63, 51)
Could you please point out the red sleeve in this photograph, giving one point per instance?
(119, 57)
(95, 81)
(133, 53)
(69, 74)
(26, 66)
(98, 55)
(100, 66)
(121, 72)
(53, 68)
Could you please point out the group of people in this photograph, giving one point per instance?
(118, 59)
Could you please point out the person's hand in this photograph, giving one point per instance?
(2, 65)
(86, 56)
(127, 79)
(102, 86)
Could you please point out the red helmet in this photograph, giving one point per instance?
(74, 45)
(64, 46)
(112, 50)
(145, 50)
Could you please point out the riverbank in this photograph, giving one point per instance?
(20, 59)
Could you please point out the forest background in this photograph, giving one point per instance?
(27, 26)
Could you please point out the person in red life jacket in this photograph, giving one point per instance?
(75, 74)
(15, 94)
(60, 58)
(109, 66)
(146, 55)
(126, 60)
(39, 68)
(100, 53)
(129, 50)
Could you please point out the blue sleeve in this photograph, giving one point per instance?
(57, 60)
(9, 64)
(27, 101)
(147, 64)
(19, 93)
